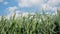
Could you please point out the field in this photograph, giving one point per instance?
(32, 24)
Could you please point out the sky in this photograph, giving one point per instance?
(8, 7)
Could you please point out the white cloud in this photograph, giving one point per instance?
(5, 3)
(49, 8)
(28, 3)
(18, 11)
(12, 9)
(46, 7)
(1, 0)
(53, 2)
(49, 5)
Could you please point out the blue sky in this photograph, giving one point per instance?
(8, 7)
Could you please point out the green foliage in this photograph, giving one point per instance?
(33, 24)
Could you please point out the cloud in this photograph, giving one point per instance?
(18, 12)
(28, 3)
(12, 9)
(50, 5)
(53, 2)
(49, 9)
(1, 0)
(5, 3)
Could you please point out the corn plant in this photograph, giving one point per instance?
(32, 24)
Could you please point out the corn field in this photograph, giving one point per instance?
(33, 24)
